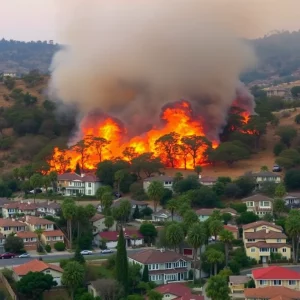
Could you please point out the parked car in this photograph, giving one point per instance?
(24, 255)
(106, 251)
(7, 255)
(86, 252)
(277, 168)
(117, 195)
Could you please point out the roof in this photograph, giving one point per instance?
(272, 292)
(53, 233)
(26, 234)
(205, 211)
(46, 204)
(35, 266)
(265, 174)
(261, 223)
(114, 235)
(157, 256)
(11, 222)
(263, 234)
(240, 279)
(275, 272)
(4, 201)
(20, 205)
(267, 245)
(37, 221)
(229, 210)
(207, 179)
(160, 178)
(117, 202)
(83, 177)
(257, 198)
(97, 217)
(178, 289)
(231, 228)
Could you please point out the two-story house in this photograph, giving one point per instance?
(271, 293)
(53, 236)
(259, 204)
(11, 209)
(29, 239)
(262, 238)
(265, 176)
(9, 226)
(292, 200)
(98, 223)
(35, 223)
(167, 181)
(164, 265)
(72, 184)
(276, 276)
(48, 208)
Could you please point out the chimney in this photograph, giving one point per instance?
(82, 175)
(199, 176)
(267, 230)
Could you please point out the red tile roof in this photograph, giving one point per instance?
(205, 211)
(35, 266)
(261, 223)
(83, 178)
(26, 234)
(272, 293)
(263, 234)
(21, 206)
(267, 245)
(11, 222)
(114, 235)
(53, 233)
(38, 221)
(275, 272)
(231, 228)
(150, 256)
(257, 198)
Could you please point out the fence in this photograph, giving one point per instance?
(8, 287)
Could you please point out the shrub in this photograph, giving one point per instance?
(8, 274)
(278, 148)
(48, 248)
(64, 262)
(59, 246)
(6, 143)
(237, 243)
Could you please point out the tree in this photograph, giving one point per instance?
(292, 179)
(13, 244)
(174, 235)
(292, 227)
(172, 205)
(73, 276)
(109, 289)
(257, 126)
(246, 185)
(119, 176)
(229, 152)
(149, 231)
(33, 284)
(278, 148)
(154, 295)
(100, 144)
(215, 226)
(39, 233)
(155, 192)
(226, 237)
(104, 189)
(288, 158)
(268, 188)
(247, 217)
(279, 207)
(109, 222)
(280, 190)
(145, 276)
(106, 202)
(136, 213)
(167, 146)
(189, 218)
(214, 257)
(286, 134)
(196, 238)
(268, 217)
(81, 148)
(191, 182)
(79, 257)
(217, 288)
(36, 181)
(69, 212)
(231, 190)
(295, 91)
(203, 197)
(122, 262)
(122, 213)
(129, 153)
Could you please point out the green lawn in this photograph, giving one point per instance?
(97, 271)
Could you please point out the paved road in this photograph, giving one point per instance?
(18, 261)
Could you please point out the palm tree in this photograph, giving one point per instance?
(215, 226)
(226, 237)
(196, 238)
(69, 212)
(39, 233)
(292, 227)
(189, 218)
(214, 257)
(172, 206)
(109, 222)
(155, 192)
(36, 181)
(174, 235)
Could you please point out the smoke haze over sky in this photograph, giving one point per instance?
(46, 19)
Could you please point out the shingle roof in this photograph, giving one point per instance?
(270, 292)
(37, 221)
(11, 222)
(275, 272)
(53, 233)
(35, 266)
(240, 279)
(231, 228)
(73, 176)
(205, 211)
(114, 235)
(267, 245)
(207, 179)
(261, 223)
(156, 256)
(26, 234)
(257, 198)
(228, 210)
(97, 217)
(46, 204)
(263, 234)
(21, 205)
(159, 178)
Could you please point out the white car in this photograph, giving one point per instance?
(86, 252)
(106, 251)
(24, 255)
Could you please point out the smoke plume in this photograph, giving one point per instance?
(130, 58)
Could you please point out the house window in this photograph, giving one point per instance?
(292, 282)
(277, 282)
(6, 228)
(89, 184)
(168, 265)
(278, 240)
(263, 282)
(251, 240)
(153, 267)
(250, 204)
(283, 249)
(89, 192)
(252, 249)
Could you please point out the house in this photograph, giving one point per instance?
(164, 265)
(167, 181)
(9, 226)
(35, 223)
(177, 291)
(204, 213)
(237, 283)
(229, 210)
(277, 91)
(3, 201)
(38, 266)
(165, 215)
(292, 200)
(72, 184)
(53, 236)
(263, 238)
(48, 208)
(10, 74)
(97, 221)
(132, 237)
(9, 210)
(29, 239)
(265, 176)
(233, 229)
(207, 180)
(271, 293)
(259, 204)
(276, 276)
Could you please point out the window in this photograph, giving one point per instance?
(283, 249)
(89, 192)
(6, 228)
(252, 249)
(277, 282)
(278, 240)
(47, 271)
(264, 249)
(251, 240)
(250, 203)
(292, 282)
(168, 265)
(89, 184)
(153, 267)
(263, 282)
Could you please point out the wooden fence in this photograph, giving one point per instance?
(8, 287)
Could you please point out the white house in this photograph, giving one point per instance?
(164, 265)
(292, 200)
(207, 180)
(265, 176)
(165, 215)
(98, 223)
(48, 208)
(10, 74)
(167, 181)
(72, 184)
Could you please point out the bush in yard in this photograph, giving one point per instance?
(64, 262)
(48, 248)
(59, 246)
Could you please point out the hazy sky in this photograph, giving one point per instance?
(47, 19)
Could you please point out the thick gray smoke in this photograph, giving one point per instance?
(130, 58)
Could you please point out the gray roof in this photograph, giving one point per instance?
(160, 178)
(257, 197)
(265, 174)
(238, 279)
